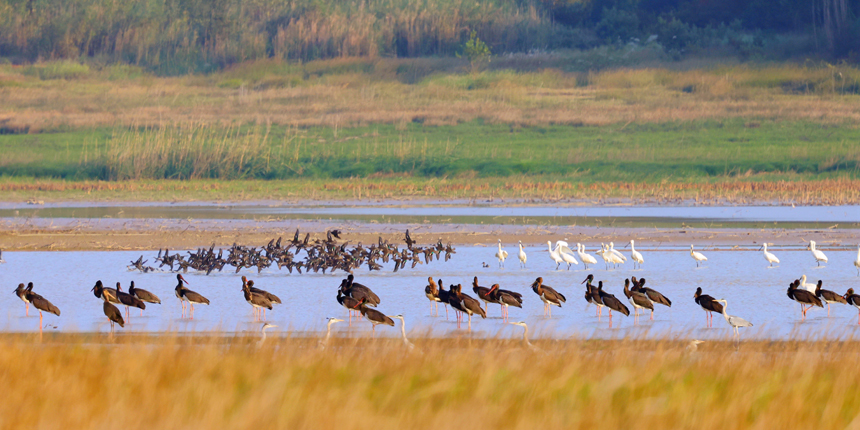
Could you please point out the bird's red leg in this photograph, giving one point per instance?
(40, 320)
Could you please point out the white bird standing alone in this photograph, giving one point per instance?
(522, 255)
(698, 256)
(768, 256)
(818, 255)
(502, 255)
(635, 255)
(735, 322)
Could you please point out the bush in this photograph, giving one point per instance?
(618, 25)
(58, 70)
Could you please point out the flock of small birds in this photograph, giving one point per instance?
(319, 255)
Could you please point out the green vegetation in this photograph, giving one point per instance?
(675, 151)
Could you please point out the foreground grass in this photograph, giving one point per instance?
(89, 381)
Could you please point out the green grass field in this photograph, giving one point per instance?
(689, 151)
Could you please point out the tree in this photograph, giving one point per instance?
(476, 51)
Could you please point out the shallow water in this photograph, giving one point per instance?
(618, 216)
(754, 291)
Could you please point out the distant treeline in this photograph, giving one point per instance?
(180, 36)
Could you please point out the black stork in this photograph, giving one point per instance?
(351, 305)
(804, 297)
(853, 300)
(143, 295)
(828, 296)
(464, 303)
(611, 302)
(483, 293)
(708, 304)
(432, 293)
(101, 292)
(592, 296)
(40, 303)
(653, 295)
(272, 298)
(548, 295)
(186, 295)
(358, 291)
(257, 301)
(374, 316)
(112, 313)
(129, 301)
(21, 292)
(444, 297)
(505, 298)
(638, 299)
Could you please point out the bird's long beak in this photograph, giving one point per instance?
(586, 279)
(628, 244)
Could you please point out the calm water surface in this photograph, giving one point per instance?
(754, 292)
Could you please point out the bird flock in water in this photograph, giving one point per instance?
(361, 301)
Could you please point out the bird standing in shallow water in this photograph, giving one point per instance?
(853, 300)
(735, 322)
(818, 255)
(143, 295)
(828, 296)
(522, 256)
(770, 258)
(698, 256)
(548, 295)
(708, 304)
(804, 297)
(21, 292)
(501, 255)
(40, 303)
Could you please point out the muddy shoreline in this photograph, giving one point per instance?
(36, 234)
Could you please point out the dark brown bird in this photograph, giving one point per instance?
(505, 298)
(708, 304)
(186, 295)
(40, 303)
(638, 299)
(432, 293)
(257, 301)
(548, 295)
(464, 303)
(653, 295)
(611, 302)
(358, 291)
(592, 296)
(853, 300)
(143, 295)
(483, 293)
(100, 291)
(828, 296)
(271, 297)
(804, 297)
(21, 292)
(351, 305)
(444, 297)
(374, 316)
(113, 314)
(128, 300)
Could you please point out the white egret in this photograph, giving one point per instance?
(324, 342)
(819, 256)
(735, 322)
(403, 331)
(565, 253)
(522, 255)
(635, 255)
(857, 261)
(698, 256)
(263, 330)
(554, 255)
(502, 255)
(768, 256)
(525, 334)
(584, 256)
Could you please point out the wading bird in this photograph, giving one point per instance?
(501, 255)
(323, 343)
(522, 256)
(611, 302)
(374, 316)
(804, 297)
(257, 301)
(112, 313)
(857, 261)
(770, 258)
(186, 295)
(548, 295)
(554, 255)
(128, 301)
(143, 295)
(818, 255)
(565, 253)
(584, 256)
(853, 300)
(638, 300)
(432, 293)
(735, 322)
(653, 295)
(698, 256)
(635, 255)
(406, 341)
(21, 292)
(465, 303)
(40, 303)
(828, 296)
(708, 304)
(525, 334)
(505, 298)
(263, 331)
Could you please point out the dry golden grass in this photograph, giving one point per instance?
(90, 381)
(761, 188)
(322, 93)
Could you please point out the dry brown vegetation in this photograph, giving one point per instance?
(818, 192)
(350, 92)
(210, 381)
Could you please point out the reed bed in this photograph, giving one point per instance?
(214, 381)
